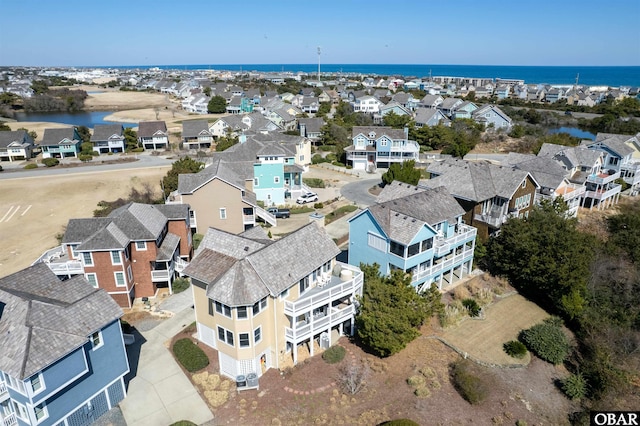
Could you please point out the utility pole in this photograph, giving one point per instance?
(318, 65)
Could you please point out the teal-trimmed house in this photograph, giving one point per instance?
(276, 176)
(62, 352)
(417, 230)
(61, 143)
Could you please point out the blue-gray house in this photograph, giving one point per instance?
(62, 354)
(417, 230)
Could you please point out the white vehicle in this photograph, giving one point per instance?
(309, 197)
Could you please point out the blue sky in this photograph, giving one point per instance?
(160, 32)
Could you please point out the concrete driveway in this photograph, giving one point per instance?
(159, 393)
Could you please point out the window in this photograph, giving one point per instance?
(87, 259)
(93, 279)
(276, 179)
(223, 309)
(223, 213)
(37, 383)
(413, 249)
(284, 294)
(20, 410)
(383, 142)
(116, 259)
(304, 284)
(244, 340)
(258, 306)
(119, 276)
(141, 245)
(210, 307)
(256, 182)
(41, 412)
(96, 340)
(377, 242)
(257, 335)
(524, 183)
(241, 312)
(129, 273)
(427, 244)
(73, 251)
(14, 383)
(396, 248)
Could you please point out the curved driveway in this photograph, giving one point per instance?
(358, 192)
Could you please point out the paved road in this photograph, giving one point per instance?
(16, 171)
(358, 192)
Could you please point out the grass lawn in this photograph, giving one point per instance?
(483, 339)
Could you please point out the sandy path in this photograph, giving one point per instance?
(34, 210)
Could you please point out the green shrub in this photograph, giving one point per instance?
(574, 386)
(468, 385)
(138, 149)
(472, 306)
(334, 354)
(515, 349)
(298, 210)
(337, 163)
(50, 162)
(317, 159)
(31, 166)
(326, 148)
(313, 182)
(547, 341)
(331, 157)
(197, 239)
(85, 157)
(189, 355)
(180, 284)
(521, 422)
(318, 205)
(184, 423)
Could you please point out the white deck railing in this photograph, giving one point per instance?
(305, 331)
(444, 265)
(320, 296)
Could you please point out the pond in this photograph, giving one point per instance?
(574, 131)
(81, 118)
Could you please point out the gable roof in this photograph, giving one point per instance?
(55, 136)
(409, 208)
(146, 129)
(614, 142)
(15, 136)
(102, 132)
(379, 131)
(193, 128)
(190, 182)
(239, 271)
(42, 318)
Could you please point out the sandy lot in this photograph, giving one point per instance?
(34, 210)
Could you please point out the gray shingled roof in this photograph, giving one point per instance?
(19, 136)
(132, 222)
(193, 128)
(42, 318)
(188, 183)
(475, 181)
(313, 125)
(615, 143)
(53, 137)
(168, 247)
(240, 271)
(146, 129)
(402, 218)
(379, 131)
(102, 132)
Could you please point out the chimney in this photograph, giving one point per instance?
(303, 129)
(406, 133)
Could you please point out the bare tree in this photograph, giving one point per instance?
(353, 377)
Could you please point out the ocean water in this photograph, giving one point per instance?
(592, 76)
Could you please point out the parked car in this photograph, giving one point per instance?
(309, 197)
(279, 213)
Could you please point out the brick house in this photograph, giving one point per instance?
(131, 253)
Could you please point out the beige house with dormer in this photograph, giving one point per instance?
(263, 304)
